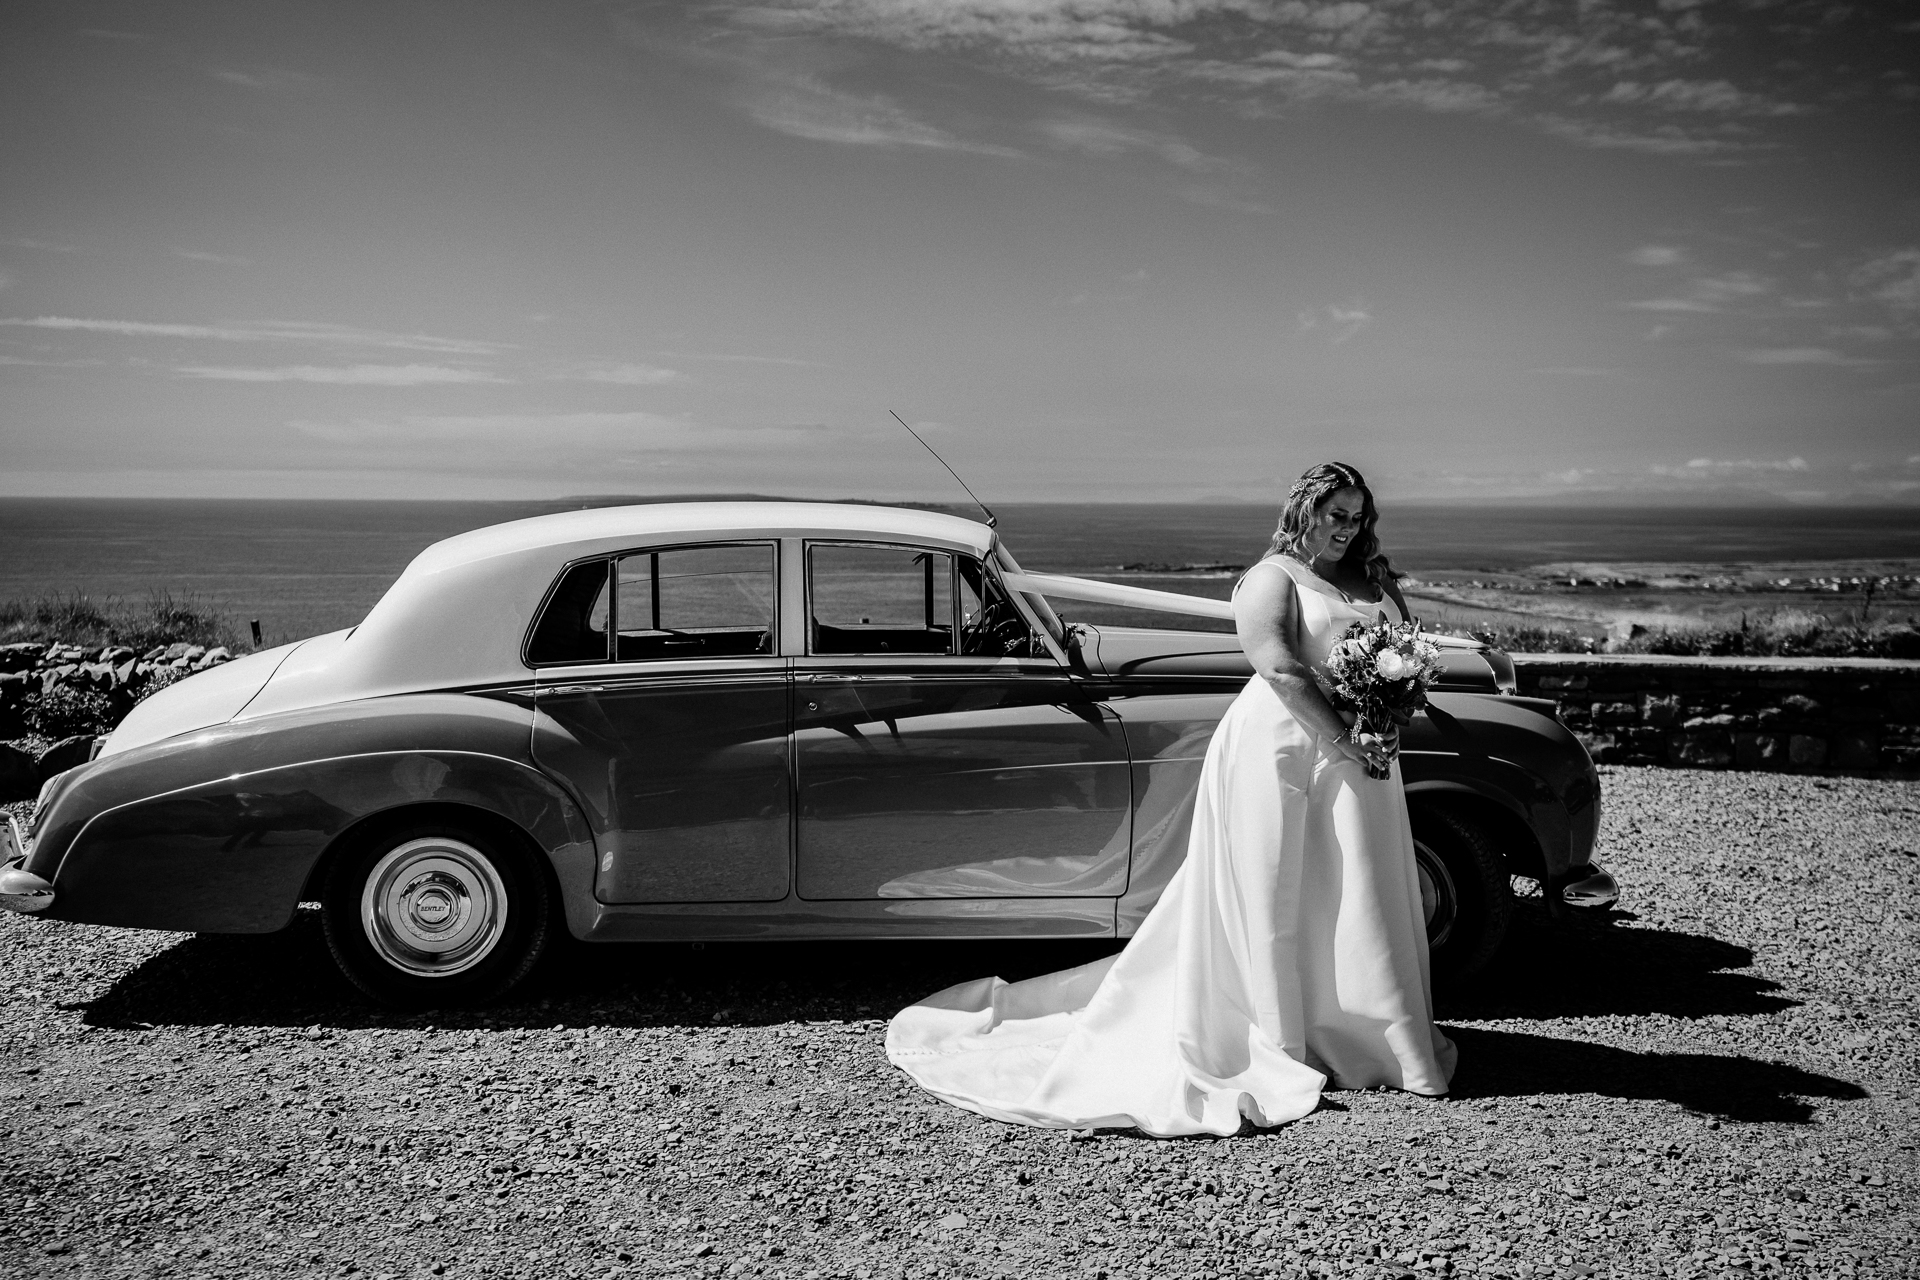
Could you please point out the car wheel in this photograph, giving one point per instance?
(1465, 891)
(436, 913)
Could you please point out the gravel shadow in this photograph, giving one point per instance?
(1596, 964)
(288, 979)
(1584, 966)
(1508, 1064)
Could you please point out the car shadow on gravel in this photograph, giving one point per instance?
(1510, 1064)
(1598, 964)
(287, 979)
(1589, 966)
(1585, 966)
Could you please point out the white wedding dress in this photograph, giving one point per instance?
(1289, 949)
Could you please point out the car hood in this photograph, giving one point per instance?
(1466, 666)
(204, 699)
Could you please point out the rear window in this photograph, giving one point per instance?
(678, 602)
(695, 602)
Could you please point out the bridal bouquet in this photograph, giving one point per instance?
(1381, 672)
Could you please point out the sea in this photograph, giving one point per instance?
(306, 567)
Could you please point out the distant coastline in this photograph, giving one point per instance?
(309, 566)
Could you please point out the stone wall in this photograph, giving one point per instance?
(1857, 716)
(102, 683)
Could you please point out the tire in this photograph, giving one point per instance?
(435, 913)
(1465, 890)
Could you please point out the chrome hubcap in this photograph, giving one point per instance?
(434, 907)
(1439, 901)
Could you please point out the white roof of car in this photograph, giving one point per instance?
(458, 614)
(614, 527)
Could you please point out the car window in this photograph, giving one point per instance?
(991, 626)
(694, 602)
(873, 599)
(573, 627)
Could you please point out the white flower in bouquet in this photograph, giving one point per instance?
(1393, 665)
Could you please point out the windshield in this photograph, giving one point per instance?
(1036, 604)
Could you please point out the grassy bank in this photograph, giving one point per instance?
(161, 619)
(1778, 636)
(1786, 634)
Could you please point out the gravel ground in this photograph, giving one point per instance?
(1718, 1080)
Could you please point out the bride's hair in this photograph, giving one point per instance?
(1304, 499)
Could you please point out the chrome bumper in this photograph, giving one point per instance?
(1597, 889)
(20, 889)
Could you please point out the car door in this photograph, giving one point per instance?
(939, 750)
(662, 701)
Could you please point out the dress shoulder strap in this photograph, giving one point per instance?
(1276, 563)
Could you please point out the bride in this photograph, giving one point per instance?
(1288, 950)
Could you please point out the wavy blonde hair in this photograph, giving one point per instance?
(1303, 501)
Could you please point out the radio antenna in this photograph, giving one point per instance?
(992, 519)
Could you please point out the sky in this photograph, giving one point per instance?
(1094, 250)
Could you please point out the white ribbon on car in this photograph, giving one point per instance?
(1114, 593)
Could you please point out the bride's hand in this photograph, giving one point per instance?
(1366, 753)
(1379, 749)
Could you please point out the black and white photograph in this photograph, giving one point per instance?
(905, 639)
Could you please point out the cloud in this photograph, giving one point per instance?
(267, 79)
(1049, 31)
(263, 331)
(1669, 304)
(48, 364)
(1800, 355)
(804, 106)
(1663, 140)
(219, 259)
(1892, 280)
(1707, 294)
(628, 375)
(1700, 468)
(1716, 96)
(1339, 322)
(1439, 96)
(734, 357)
(1655, 255)
(1313, 61)
(1097, 137)
(359, 375)
(1597, 74)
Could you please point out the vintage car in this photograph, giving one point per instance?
(749, 720)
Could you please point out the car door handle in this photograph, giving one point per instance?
(575, 688)
(818, 678)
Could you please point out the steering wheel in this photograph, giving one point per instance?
(1000, 633)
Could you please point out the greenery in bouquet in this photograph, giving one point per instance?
(1381, 673)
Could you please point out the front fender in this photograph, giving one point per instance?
(219, 831)
(1513, 753)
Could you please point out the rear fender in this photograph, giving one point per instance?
(237, 855)
(221, 829)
